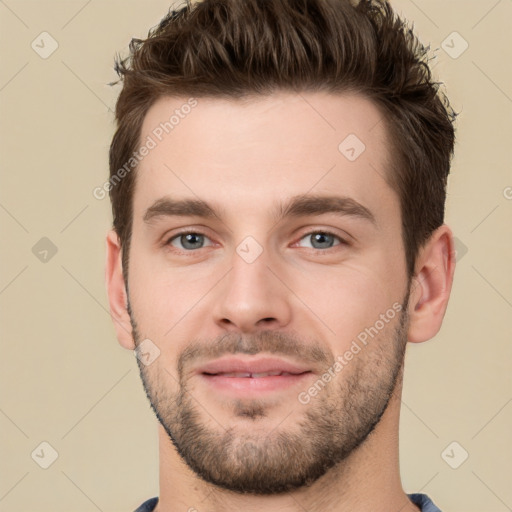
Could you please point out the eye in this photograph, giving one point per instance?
(189, 241)
(321, 240)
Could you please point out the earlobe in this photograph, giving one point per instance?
(117, 292)
(431, 285)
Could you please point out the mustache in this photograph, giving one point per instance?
(284, 344)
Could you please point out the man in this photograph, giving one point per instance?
(278, 179)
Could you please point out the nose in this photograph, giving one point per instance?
(251, 297)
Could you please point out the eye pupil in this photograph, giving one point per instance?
(191, 240)
(322, 239)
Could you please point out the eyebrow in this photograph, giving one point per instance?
(317, 205)
(298, 206)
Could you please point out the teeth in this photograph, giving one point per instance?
(265, 374)
(254, 375)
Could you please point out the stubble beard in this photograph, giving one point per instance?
(287, 456)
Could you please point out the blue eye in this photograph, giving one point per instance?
(189, 241)
(322, 240)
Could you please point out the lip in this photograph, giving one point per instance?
(252, 365)
(243, 377)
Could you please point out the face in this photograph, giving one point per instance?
(267, 271)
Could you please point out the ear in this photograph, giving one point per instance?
(117, 292)
(431, 285)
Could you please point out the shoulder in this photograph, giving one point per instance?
(424, 502)
(148, 506)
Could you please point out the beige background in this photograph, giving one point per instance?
(64, 378)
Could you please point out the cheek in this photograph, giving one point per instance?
(168, 302)
(349, 299)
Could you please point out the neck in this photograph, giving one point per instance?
(368, 479)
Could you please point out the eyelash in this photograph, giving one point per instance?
(342, 242)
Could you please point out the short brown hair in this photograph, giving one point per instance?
(239, 48)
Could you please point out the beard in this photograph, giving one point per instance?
(329, 428)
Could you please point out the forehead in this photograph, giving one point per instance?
(259, 150)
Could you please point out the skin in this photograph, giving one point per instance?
(243, 158)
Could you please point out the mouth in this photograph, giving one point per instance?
(250, 377)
